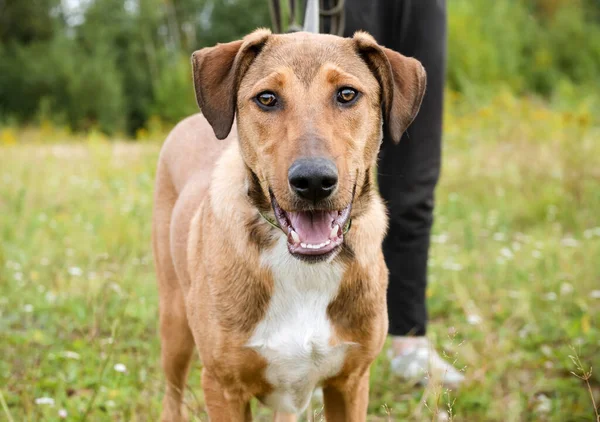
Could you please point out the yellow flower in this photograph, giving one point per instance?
(8, 137)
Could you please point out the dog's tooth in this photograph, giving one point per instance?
(304, 245)
(334, 231)
(295, 237)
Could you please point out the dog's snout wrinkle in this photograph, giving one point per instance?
(313, 178)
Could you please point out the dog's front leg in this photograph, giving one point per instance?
(221, 406)
(347, 400)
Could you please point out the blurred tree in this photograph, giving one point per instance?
(114, 64)
(124, 36)
(223, 21)
(27, 21)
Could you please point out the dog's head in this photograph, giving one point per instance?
(309, 110)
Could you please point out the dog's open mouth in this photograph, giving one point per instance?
(316, 232)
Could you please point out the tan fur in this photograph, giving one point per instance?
(208, 236)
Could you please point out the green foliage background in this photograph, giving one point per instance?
(116, 65)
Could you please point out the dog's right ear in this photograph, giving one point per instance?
(217, 74)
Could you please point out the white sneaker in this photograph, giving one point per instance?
(414, 359)
(417, 362)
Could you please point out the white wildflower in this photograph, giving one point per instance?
(62, 413)
(514, 294)
(45, 400)
(441, 239)
(75, 271)
(119, 367)
(569, 242)
(526, 330)
(474, 319)
(443, 416)
(543, 405)
(70, 355)
(452, 266)
(595, 294)
(566, 288)
(28, 308)
(116, 288)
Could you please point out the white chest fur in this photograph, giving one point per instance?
(295, 333)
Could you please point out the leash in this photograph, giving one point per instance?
(270, 220)
(276, 225)
(333, 16)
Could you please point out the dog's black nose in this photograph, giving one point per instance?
(313, 178)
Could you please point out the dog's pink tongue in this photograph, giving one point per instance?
(313, 227)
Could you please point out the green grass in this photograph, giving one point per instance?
(514, 274)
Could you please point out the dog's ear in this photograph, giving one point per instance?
(217, 74)
(402, 80)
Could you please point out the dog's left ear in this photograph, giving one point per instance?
(217, 73)
(402, 80)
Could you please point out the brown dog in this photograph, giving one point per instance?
(268, 243)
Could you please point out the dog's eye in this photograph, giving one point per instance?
(266, 99)
(346, 95)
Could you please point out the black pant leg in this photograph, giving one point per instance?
(408, 172)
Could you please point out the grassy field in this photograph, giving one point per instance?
(514, 274)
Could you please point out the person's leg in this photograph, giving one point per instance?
(408, 172)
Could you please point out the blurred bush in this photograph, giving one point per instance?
(123, 65)
(528, 45)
